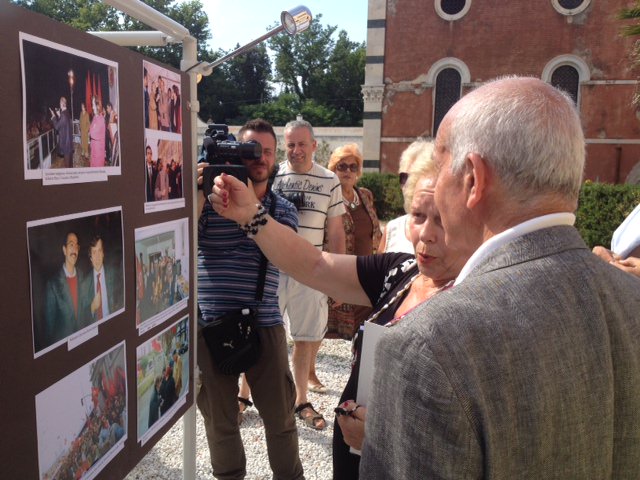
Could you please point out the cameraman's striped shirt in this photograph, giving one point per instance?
(229, 263)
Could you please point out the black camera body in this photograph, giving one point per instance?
(225, 154)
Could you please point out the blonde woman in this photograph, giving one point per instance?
(395, 236)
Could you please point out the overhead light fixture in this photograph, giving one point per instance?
(293, 21)
(296, 20)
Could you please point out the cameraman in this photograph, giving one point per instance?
(228, 269)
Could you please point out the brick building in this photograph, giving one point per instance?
(422, 55)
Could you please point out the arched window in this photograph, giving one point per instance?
(452, 9)
(570, 7)
(567, 78)
(567, 72)
(447, 92)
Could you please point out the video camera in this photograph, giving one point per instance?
(224, 154)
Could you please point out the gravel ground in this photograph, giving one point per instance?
(164, 461)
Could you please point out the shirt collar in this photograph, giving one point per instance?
(67, 273)
(497, 241)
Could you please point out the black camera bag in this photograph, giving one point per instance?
(233, 341)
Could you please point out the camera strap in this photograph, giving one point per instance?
(263, 259)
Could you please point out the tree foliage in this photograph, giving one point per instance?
(241, 81)
(286, 107)
(632, 13)
(312, 65)
(633, 30)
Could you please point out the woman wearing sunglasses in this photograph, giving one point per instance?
(362, 232)
(395, 236)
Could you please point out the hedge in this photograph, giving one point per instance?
(601, 208)
(387, 194)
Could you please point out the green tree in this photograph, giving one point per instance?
(320, 78)
(241, 81)
(632, 13)
(287, 106)
(301, 60)
(316, 68)
(278, 112)
(189, 14)
(633, 30)
(341, 86)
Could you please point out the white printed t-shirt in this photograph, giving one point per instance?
(323, 198)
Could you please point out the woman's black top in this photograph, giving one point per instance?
(381, 277)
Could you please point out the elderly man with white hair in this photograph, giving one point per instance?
(529, 367)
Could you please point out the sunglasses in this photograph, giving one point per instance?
(403, 177)
(343, 167)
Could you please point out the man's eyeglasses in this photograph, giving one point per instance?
(343, 167)
(403, 177)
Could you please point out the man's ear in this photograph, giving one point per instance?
(475, 179)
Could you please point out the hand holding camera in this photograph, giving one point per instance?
(232, 199)
(224, 154)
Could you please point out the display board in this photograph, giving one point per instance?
(98, 251)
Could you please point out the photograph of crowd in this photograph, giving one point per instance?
(70, 109)
(162, 99)
(162, 272)
(76, 265)
(82, 419)
(162, 377)
(163, 168)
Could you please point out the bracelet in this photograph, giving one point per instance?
(258, 220)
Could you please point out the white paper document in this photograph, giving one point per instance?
(372, 334)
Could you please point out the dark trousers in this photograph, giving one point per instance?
(273, 393)
(345, 463)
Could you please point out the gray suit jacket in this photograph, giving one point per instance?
(529, 369)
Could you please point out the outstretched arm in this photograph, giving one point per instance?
(333, 274)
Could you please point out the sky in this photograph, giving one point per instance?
(245, 20)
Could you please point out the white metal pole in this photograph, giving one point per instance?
(161, 22)
(190, 57)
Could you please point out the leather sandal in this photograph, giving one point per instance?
(312, 418)
(317, 388)
(243, 404)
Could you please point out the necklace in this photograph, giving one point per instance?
(398, 295)
(354, 204)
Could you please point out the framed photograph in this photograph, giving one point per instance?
(76, 264)
(162, 373)
(162, 272)
(70, 113)
(82, 419)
